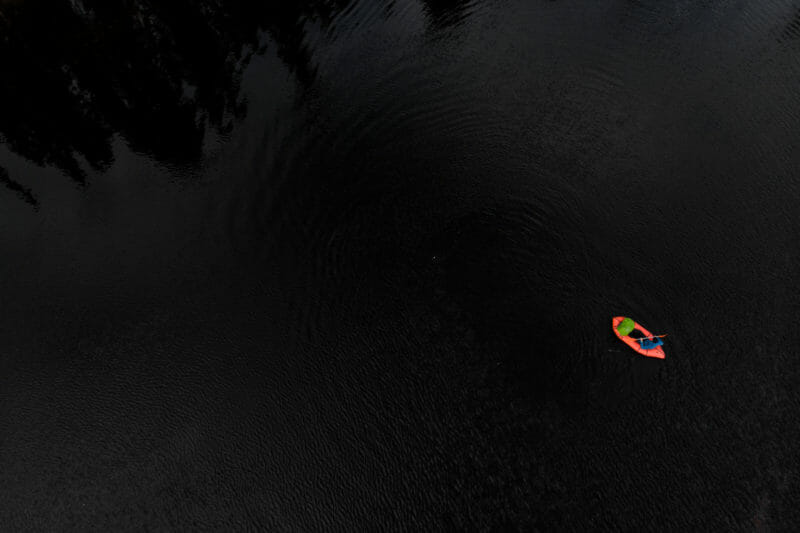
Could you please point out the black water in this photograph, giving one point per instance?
(348, 264)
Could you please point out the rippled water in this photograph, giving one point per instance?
(347, 264)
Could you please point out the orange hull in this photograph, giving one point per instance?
(656, 352)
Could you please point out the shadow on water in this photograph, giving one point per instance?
(158, 75)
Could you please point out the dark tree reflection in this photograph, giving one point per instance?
(792, 29)
(443, 13)
(75, 73)
(21, 191)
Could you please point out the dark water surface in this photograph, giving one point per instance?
(348, 264)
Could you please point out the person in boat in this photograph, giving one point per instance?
(650, 343)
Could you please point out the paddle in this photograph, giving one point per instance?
(650, 337)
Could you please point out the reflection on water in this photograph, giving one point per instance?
(443, 13)
(157, 74)
(792, 29)
(22, 192)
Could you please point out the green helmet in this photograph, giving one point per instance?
(626, 326)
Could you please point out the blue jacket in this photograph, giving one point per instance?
(649, 344)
